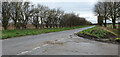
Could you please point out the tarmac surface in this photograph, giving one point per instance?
(57, 43)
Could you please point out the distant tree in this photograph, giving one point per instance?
(56, 17)
(25, 14)
(113, 11)
(50, 20)
(71, 19)
(35, 19)
(119, 27)
(97, 10)
(101, 10)
(105, 12)
(119, 21)
(42, 14)
(5, 14)
(38, 15)
(108, 10)
(15, 13)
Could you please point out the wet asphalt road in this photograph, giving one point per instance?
(57, 43)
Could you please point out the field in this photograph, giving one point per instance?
(16, 33)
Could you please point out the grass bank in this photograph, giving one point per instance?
(109, 27)
(15, 33)
(99, 34)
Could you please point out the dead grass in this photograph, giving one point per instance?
(115, 31)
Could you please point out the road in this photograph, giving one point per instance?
(57, 43)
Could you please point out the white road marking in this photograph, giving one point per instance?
(23, 52)
(28, 51)
(45, 45)
(35, 48)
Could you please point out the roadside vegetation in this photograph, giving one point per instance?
(26, 18)
(20, 14)
(15, 33)
(99, 33)
(109, 27)
(107, 11)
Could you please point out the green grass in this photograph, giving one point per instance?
(15, 33)
(111, 26)
(97, 32)
(113, 30)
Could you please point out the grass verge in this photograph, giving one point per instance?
(99, 34)
(16, 33)
(109, 27)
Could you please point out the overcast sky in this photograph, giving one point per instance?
(82, 7)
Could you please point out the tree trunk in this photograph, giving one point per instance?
(36, 26)
(113, 21)
(100, 20)
(5, 27)
(46, 26)
(24, 27)
(41, 23)
(50, 25)
(105, 24)
(119, 29)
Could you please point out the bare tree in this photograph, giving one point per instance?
(109, 10)
(25, 14)
(15, 13)
(42, 13)
(113, 12)
(5, 14)
(21, 13)
(105, 12)
(97, 10)
(71, 19)
(36, 21)
(101, 9)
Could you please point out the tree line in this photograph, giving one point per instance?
(108, 11)
(23, 13)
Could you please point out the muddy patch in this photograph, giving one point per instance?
(53, 42)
